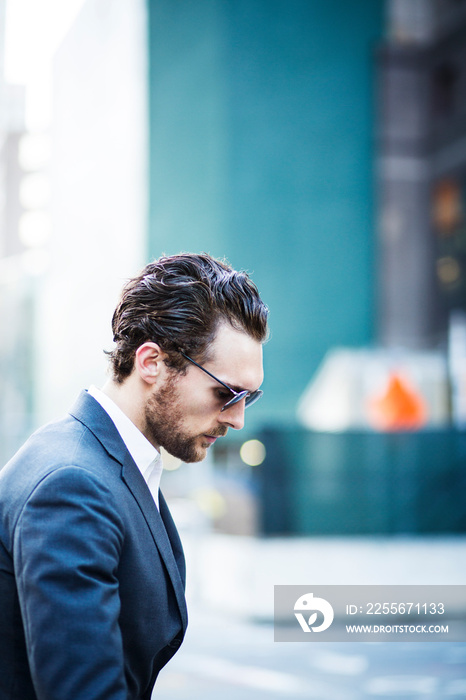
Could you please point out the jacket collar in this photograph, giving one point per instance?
(89, 412)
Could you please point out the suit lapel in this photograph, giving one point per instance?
(138, 487)
(89, 412)
(174, 537)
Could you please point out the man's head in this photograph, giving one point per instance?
(178, 302)
(189, 306)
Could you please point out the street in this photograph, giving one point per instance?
(228, 659)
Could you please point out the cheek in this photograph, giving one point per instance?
(198, 408)
(196, 400)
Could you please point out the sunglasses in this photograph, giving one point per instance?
(250, 396)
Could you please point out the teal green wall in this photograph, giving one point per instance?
(261, 138)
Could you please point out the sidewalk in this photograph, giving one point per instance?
(236, 575)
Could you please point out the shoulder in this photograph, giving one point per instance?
(61, 458)
(64, 442)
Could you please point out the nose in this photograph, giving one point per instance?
(233, 416)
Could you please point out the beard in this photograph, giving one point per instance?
(165, 425)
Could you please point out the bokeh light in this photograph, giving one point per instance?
(252, 452)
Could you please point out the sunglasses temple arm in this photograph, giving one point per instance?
(235, 393)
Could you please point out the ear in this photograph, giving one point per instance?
(149, 362)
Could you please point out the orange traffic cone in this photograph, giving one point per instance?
(401, 407)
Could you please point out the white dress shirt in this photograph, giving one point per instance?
(147, 458)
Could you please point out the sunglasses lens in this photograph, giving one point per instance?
(235, 399)
(250, 398)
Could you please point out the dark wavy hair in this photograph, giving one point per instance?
(178, 302)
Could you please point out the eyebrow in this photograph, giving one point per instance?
(239, 389)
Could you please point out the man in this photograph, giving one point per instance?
(91, 566)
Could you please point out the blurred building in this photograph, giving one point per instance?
(421, 172)
(16, 354)
(299, 140)
(73, 211)
(262, 150)
(98, 205)
(407, 476)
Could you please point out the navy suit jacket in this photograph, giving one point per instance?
(92, 575)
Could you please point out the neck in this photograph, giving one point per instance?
(128, 400)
